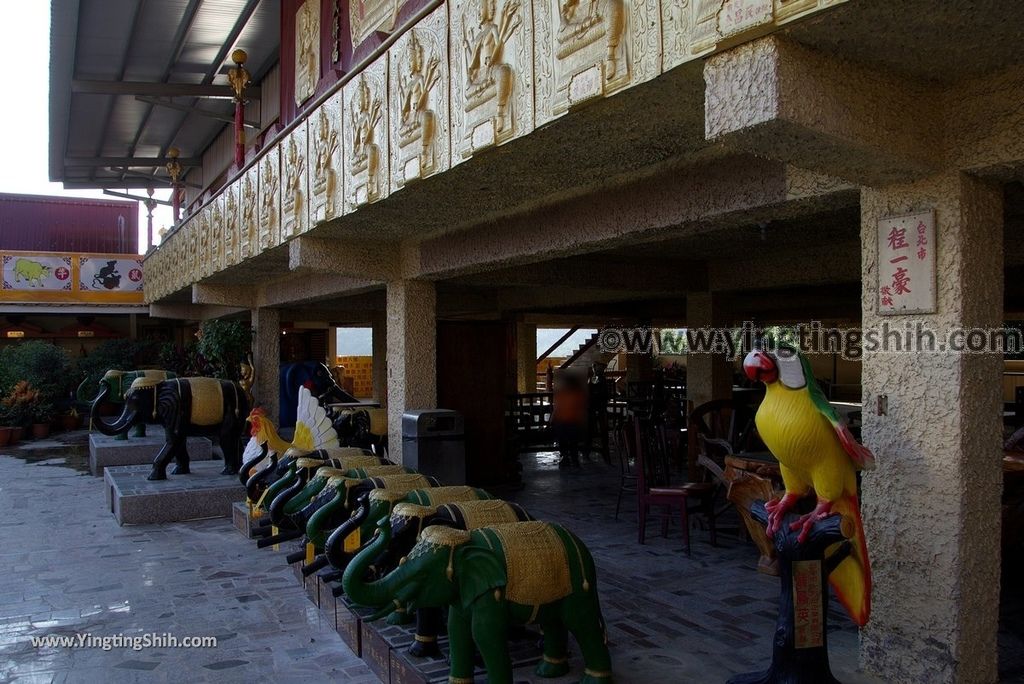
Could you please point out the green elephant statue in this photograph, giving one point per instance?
(113, 386)
(490, 579)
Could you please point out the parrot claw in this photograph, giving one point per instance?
(806, 522)
(777, 509)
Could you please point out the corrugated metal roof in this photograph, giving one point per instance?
(97, 44)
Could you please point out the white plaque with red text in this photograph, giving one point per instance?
(906, 263)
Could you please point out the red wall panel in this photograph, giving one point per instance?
(68, 224)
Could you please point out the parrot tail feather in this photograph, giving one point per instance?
(851, 580)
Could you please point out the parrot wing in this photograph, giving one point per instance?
(313, 429)
(857, 452)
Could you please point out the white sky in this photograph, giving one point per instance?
(24, 81)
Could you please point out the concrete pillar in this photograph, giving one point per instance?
(332, 347)
(411, 353)
(932, 507)
(708, 376)
(526, 357)
(266, 352)
(380, 360)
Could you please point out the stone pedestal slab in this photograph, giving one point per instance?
(107, 451)
(204, 493)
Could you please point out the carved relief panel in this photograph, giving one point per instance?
(492, 73)
(232, 253)
(369, 16)
(326, 188)
(269, 205)
(217, 232)
(307, 50)
(294, 190)
(585, 49)
(693, 28)
(366, 135)
(202, 226)
(418, 93)
(249, 213)
(191, 262)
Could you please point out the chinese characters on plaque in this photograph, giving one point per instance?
(906, 264)
(808, 613)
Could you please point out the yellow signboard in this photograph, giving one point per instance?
(44, 277)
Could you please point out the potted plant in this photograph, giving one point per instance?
(5, 427)
(19, 405)
(71, 420)
(42, 413)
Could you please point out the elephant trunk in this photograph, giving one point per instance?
(246, 470)
(279, 538)
(259, 481)
(334, 548)
(123, 422)
(277, 505)
(384, 590)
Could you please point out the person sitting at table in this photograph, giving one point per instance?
(569, 417)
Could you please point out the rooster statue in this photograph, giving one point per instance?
(313, 430)
(816, 451)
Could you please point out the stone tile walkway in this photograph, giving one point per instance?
(71, 569)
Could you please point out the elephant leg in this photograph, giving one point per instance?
(139, 430)
(229, 445)
(555, 662)
(181, 456)
(490, 633)
(163, 457)
(427, 626)
(460, 638)
(585, 622)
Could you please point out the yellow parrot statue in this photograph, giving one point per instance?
(816, 451)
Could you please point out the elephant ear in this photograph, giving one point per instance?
(480, 570)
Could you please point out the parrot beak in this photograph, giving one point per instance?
(760, 367)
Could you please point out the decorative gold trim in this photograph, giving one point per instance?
(597, 673)
(425, 639)
(555, 661)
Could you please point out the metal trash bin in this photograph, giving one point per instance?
(433, 442)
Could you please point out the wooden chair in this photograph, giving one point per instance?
(654, 487)
(622, 441)
(714, 430)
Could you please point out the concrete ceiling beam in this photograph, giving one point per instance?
(301, 290)
(372, 261)
(778, 99)
(606, 273)
(192, 312)
(815, 264)
(736, 191)
(240, 296)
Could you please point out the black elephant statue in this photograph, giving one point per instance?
(112, 388)
(314, 376)
(186, 407)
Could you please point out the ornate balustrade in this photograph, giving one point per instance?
(457, 81)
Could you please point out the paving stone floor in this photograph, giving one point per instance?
(71, 569)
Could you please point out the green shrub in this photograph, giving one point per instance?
(45, 366)
(223, 345)
(114, 354)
